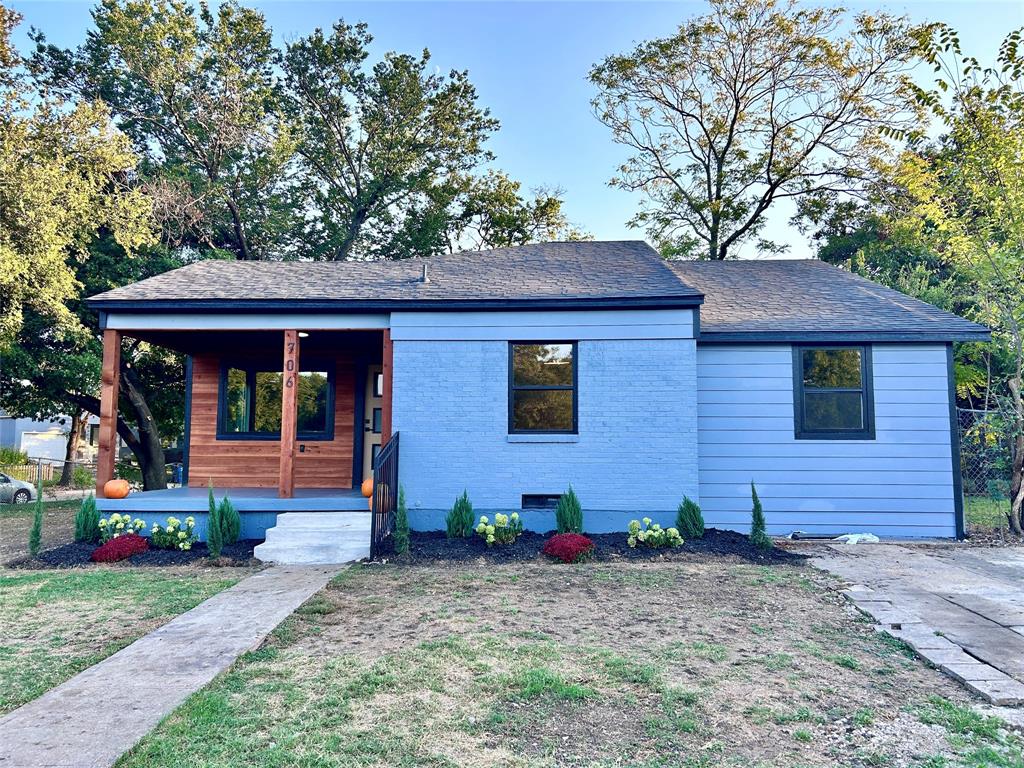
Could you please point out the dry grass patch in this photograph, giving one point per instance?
(670, 664)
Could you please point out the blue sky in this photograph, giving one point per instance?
(529, 62)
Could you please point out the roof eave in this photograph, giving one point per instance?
(842, 336)
(278, 306)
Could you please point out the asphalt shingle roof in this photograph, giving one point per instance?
(552, 272)
(793, 299)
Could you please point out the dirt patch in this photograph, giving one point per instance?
(435, 547)
(58, 528)
(76, 555)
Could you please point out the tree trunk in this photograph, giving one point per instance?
(1017, 459)
(151, 452)
(67, 473)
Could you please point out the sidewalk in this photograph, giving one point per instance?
(68, 726)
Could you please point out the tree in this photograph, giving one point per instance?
(753, 103)
(967, 201)
(64, 169)
(380, 144)
(195, 91)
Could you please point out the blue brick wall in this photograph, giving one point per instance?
(636, 452)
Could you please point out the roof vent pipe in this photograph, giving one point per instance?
(424, 278)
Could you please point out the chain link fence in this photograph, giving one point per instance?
(986, 458)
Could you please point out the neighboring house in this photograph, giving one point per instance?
(516, 372)
(45, 439)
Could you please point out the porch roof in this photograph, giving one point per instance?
(626, 273)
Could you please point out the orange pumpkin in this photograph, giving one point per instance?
(368, 487)
(115, 489)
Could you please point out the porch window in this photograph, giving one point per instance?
(542, 387)
(250, 402)
(832, 396)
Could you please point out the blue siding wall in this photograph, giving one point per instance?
(900, 484)
(636, 449)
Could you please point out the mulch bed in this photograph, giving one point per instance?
(434, 546)
(77, 555)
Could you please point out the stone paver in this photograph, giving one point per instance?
(960, 609)
(67, 727)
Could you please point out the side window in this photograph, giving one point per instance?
(542, 385)
(250, 403)
(832, 393)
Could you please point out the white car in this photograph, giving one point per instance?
(15, 491)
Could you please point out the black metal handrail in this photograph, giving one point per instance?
(385, 495)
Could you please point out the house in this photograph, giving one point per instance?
(516, 372)
(46, 439)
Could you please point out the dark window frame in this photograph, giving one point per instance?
(513, 388)
(251, 368)
(866, 390)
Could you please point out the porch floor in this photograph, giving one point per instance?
(183, 500)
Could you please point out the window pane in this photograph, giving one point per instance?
(833, 411)
(378, 420)
(378, 385)
(236, 418)
(542, 364)
(832, 368)
(312, 408)
(542, 410)
(268, 402)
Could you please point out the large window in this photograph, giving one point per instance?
(832, 395)
(250, 402)
(542, 387)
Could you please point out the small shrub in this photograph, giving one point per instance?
(116, 525)
(35, 534)
(652, 535)
(87, 521)
(401, 524)
(12, 456)
(120, 548)
(569, 547)
(460, 518)
(230, 522)
(504, 530)
(758, 537)
(214, 529)
(569, 513)
(174, 534)
(689, 519)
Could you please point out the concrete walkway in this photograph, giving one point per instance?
(70, 726)
(960, 608)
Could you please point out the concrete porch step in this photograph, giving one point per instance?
(317, 537)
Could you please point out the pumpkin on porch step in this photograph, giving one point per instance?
(368, 487)
(115, 489)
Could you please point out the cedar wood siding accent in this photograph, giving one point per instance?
(256, 463)
(899, 484)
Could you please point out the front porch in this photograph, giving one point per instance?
(191, 500)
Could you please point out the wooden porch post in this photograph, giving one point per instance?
(388, 376)
(110, 385)
(289, 415)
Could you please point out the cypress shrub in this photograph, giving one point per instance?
(214, 529)
(689, 519)
(230, 522)
(460, 518)
(87, 521)
(401, 524)
(35, 534)
(569, 513)
(758, 537)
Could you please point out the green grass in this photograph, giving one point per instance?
(55, 624)
(986, 512)
(978, 740)
(27, 510)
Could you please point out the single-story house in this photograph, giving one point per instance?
(515, 372)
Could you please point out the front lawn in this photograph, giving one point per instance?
(55, 624)
(641, 664)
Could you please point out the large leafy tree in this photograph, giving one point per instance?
(966, 200)
(64, 171)
(382, 146)
(195, 90)
(754, 103)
